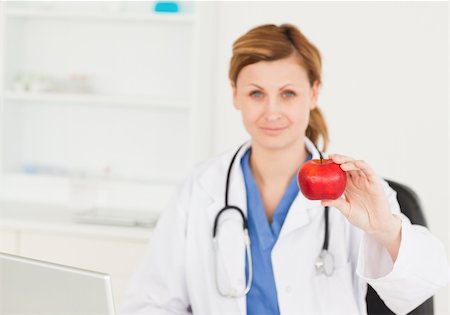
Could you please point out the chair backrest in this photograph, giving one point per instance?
(410, 206)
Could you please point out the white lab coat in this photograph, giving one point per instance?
(177, 274)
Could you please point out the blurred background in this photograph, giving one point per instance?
(106, 106)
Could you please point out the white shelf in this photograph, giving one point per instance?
(148, 117)
(59, 179)
(93, 99)
(114, 193)
(99, 16)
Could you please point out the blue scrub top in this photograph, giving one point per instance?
(262, 297)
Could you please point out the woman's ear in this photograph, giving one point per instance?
(234, 90)
(314, 95)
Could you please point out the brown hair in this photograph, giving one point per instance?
(270, 42)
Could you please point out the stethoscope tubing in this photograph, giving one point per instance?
(247, 237)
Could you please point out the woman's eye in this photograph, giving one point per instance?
(289, 93)
(256, 94)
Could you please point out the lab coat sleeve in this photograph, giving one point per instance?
(419, 271)
(158, 286)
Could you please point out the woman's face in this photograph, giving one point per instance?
(275, 99)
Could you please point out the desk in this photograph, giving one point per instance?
(48, 232)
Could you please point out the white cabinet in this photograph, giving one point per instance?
(118, 258)
(109, 93)
(115, 255)
(8, 241)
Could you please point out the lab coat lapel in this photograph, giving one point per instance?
(238, 198)
(302, 209)
(213, 181)
(301, 212)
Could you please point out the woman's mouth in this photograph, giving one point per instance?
(273, 131)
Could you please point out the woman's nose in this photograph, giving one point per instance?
(272, 118)
(272, 110)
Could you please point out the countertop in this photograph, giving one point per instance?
(63, 220)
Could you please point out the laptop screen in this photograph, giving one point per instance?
(29, 286)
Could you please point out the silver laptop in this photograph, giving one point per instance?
(29, 286)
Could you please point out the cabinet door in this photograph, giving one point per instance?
(8, 241)
(118, 258)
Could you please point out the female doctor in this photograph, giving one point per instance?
(304, 257)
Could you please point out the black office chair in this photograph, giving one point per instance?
(410, 206)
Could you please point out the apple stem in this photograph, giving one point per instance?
(320, 153)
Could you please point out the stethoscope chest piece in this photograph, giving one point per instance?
(325, 263)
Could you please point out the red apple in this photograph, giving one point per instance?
(321, 179)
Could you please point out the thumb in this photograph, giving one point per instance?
(341, 204)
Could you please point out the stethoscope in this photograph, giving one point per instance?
(324, 263)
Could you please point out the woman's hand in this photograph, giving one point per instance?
(366, 205)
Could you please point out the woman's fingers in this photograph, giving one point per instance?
(348, 164)
(339, 159)
(366, 169)
(341, 204)
(358, 165)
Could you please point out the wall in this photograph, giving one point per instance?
(384, 94)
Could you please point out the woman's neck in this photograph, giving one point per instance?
(276, 166)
